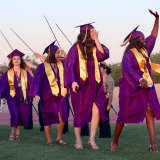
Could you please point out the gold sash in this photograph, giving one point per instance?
(24, 82)
(52, 79)
(61, 75)
(142, 64)
(83, 65)
(10, 74)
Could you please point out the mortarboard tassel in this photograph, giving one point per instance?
(126, 41)
(85, 37)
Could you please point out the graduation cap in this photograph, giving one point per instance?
(15, 52)
(51, 47)
(85, 27)
(132, 35)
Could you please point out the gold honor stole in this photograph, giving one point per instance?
(142, 64)
(83, 65)
(52, 79)
(23, 82)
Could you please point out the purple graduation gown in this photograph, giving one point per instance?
(20, 110)
(133, 99)
(50, 104)
(89, 90)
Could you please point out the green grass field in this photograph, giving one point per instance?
(134, 143)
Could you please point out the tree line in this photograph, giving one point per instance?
(116, 68)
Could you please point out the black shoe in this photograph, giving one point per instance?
(42, 129)
(104, 136)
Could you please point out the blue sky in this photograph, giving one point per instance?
(114, 20)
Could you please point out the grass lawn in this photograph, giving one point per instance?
(134, 143)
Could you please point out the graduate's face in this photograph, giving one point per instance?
(16, 60)
(57, 55)
(142, 40)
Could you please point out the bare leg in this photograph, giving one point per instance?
(48, 130)
(17, 132)
(151, 129)
(12, 134)
(117, 133)
(78, 143)
(13, 130)
(60, 127)
(94, 125)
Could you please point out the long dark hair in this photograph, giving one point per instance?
(51, 57)
(87, 46)
(22, 64)
(136, 43)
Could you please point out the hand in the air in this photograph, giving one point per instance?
(155, 14)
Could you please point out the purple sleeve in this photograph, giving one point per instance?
(128, 64)
(30, 85)
(150, 42)
(102, 56)
(38, 79)
(3, 85)
(70, 67)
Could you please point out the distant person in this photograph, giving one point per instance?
(108, 84)
(2, 101)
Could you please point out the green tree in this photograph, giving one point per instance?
(117, 69)
(116, 72)
(155, 58)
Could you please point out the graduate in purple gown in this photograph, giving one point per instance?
(137, 96)
(84, 77)
(49, 89)
(16, 87)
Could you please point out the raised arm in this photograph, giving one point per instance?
(94, 36)
(156, 23)
(29, 64)
(40, 57)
